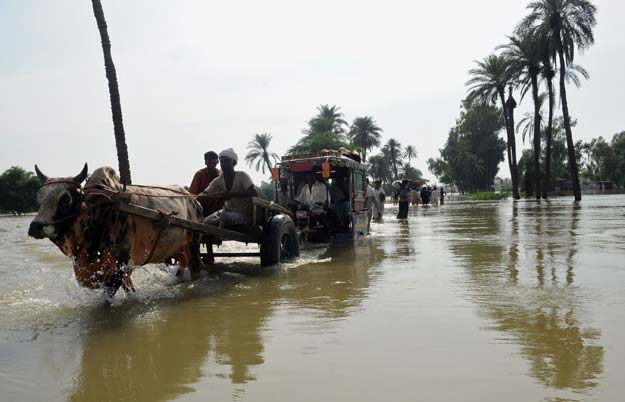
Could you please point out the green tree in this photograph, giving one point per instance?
(573, 73)
(380, 168)
(18, 189)
(488, 84)
(329, 119)
(266, 190)
(409, 153)
(618, 148)
(116, 108)
(524, 52)
(326, 130)
(365, 134)
(567, 25)
(441, 170)
(259, 152)
(411, 173)
(319, 142)
(392, 151)
(473, 149)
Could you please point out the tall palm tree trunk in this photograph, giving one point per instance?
(570, 146)
(267, 162)
(395, 172)
(549, 134)
(507, 124)
(364, 150)
(116, 108)
(515, 168)
(511, 148)
(537, 183)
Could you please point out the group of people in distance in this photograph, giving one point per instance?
(226, 195)
(410, 193)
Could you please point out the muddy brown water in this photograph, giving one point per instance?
(465, 302)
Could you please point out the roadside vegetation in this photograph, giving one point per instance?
(540, 50)
(18, 189)
(328, 129)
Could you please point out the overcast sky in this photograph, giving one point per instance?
(205, 75)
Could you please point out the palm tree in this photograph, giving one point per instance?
(380, 168)
(488, 83)
(328, 120)
(525, 126)
(392, 150)
(524, 52)
(259, 152)
(547, 73)
(409, 153)
(116, 108)
(567, 25)
(365, 133)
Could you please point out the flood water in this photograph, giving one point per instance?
(487, 301)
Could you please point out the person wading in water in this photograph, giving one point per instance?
(404, 200)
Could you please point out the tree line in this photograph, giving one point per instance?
(542, 47)
(473, 150)
(599, 159)
(18, 189)
(328, 129)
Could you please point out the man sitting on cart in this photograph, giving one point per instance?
(313, 193)
(236, 188)
(202, 179)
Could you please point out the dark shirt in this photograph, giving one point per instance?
(200, 182)
(202, 179)
(404, 194)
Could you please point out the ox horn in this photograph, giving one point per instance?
(41, 176)
(82, 175)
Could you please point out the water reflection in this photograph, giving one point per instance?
(217, 329)
(513, 249)
(540, 316)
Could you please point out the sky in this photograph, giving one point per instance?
(198, 75)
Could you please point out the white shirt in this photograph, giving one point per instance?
(415, 196)
(317, 194)
(377, 194)
(241, 183)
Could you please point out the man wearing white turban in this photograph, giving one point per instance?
(236, 188)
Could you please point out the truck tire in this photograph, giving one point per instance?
(280, 242)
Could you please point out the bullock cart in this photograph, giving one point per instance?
(272, 229)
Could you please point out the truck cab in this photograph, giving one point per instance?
(341, 213)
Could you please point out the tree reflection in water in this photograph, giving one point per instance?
(563, 353)
(158, 350)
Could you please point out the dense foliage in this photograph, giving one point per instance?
(603, 160)
(542, 44)
(364, 134)
(18, 191)
(327, 130)
(266, 190)
(473, 150)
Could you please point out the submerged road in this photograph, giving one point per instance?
(484, 301)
